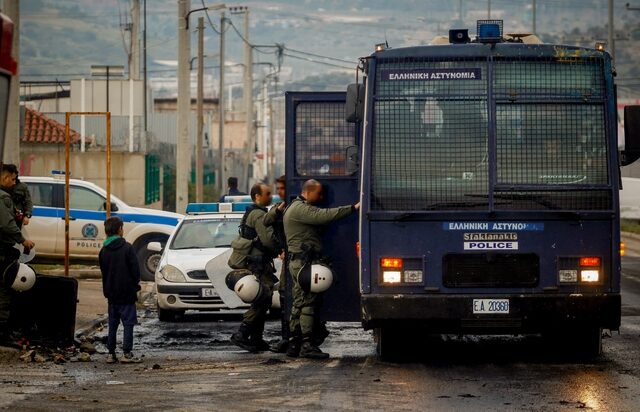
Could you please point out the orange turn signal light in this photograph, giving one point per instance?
(358, 248)
(394, 263)
(621, 248)
(590, 261)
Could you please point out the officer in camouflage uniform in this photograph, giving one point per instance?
(303, 226)
(260, 263)
(9, 235)
(21, 201)
(273, 219)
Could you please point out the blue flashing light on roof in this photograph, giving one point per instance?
(194, 208)
(246, 198)
(201, 208)
(489, 31)
(240, 206)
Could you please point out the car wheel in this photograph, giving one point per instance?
(149, 259)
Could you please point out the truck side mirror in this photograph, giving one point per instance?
(354, 107)
(352, 159)
(631, 151)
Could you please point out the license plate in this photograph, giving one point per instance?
(490, 306)
(209, 293)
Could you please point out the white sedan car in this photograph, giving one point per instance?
(181, 281)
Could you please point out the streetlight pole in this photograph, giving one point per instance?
(183, 141)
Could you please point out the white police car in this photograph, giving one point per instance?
(86, 222)
(181, 281)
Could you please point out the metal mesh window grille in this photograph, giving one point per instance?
(551, 144)
(322, 139)
(550, 132)
(430, 136)
(551, 79)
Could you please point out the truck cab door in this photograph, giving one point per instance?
(321, 145)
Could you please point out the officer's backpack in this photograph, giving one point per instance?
(243, 244)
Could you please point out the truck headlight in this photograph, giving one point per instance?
(172, 274)
(590, 275)
(391, 276)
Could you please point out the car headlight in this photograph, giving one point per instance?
(172, 274)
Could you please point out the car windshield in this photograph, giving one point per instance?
(205, 233)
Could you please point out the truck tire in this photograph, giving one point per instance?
(147, 259)
(388, 343)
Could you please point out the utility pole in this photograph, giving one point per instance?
(221, 176)
(183, 137)
(144, 58)
(533, 17)
(612, 46)
(200, 125)
(248, 93)
(134, 56)
(489, 9)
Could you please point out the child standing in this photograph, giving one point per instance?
(120, 285)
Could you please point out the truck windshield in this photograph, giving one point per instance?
(432, 148)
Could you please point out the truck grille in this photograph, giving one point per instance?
(489, 270)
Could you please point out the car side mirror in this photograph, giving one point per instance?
(114, 207)
(154, 246)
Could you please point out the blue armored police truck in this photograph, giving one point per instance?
(488, 171)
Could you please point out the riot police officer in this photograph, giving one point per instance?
(10, 234)
(273, 219)
(259, 261)
(21, 200)
(303, 226)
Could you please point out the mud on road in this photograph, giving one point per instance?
(190, 365)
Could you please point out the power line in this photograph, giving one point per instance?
(317, 61)
(209, 18)
(319, 55)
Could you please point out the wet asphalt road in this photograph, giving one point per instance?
(190, 365)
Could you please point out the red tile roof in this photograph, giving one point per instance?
(38, 128)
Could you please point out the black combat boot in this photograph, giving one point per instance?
(311, 351)
(293, 346)
(320, 332)
(256, 338)
(241, 338)
(283, 344)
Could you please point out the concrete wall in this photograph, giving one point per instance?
(127, 169)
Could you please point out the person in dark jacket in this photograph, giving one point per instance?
(232, 184)
(120, 285)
